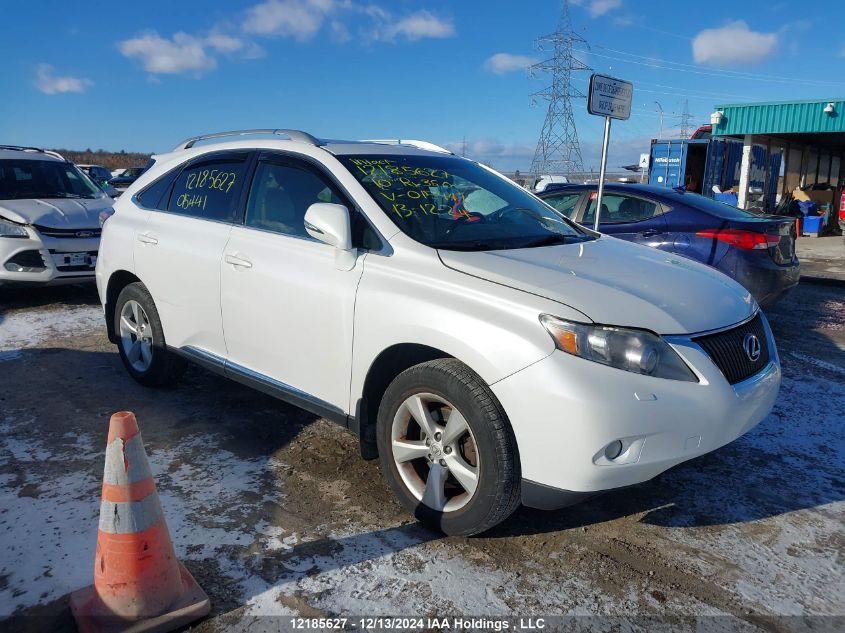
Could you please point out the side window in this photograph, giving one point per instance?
(280, 196)
(616, 209)
(209, 190)
(155, 195)
(564, 202)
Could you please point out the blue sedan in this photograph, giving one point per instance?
(758, 251)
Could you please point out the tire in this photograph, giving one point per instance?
(432, 472)
(149, 363)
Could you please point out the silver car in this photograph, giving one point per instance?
(49, 218)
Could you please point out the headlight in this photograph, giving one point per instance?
(105, 214)
(632, 350)
(10, 229)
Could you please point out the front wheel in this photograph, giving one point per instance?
(141, 339)
(447, 448)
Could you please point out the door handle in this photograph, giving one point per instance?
(146, 238)
(237, 260)
(650, 233)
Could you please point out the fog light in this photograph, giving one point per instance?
(613, 450)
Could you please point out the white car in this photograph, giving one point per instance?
(488, 350)
(49, 219)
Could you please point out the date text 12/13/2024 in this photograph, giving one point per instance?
(418, 623)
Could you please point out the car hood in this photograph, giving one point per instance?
(56, 213)
(617, 283)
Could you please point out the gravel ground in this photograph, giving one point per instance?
(275, 514)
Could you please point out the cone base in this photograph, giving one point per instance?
(192, 605)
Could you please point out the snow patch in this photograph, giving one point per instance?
(20, 329)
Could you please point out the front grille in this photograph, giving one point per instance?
(68, 233)
(728, 352)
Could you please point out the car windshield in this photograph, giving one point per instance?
(455, 204)
(44, 179)
(132, 172)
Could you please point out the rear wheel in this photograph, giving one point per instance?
(447, 449)
(141, 341)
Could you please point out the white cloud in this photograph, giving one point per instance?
(731, 44)
(224, 43)
(416, 26)
(50, 84)
(182, 54)
(598, 7)
(502, 63)
(502, 155)
(287, 18)
(185, 53)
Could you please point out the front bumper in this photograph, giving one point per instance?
(565, 410)
(46, 260)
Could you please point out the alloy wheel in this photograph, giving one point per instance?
(136, 336)
(435, 452)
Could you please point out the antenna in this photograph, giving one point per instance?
(558, 151)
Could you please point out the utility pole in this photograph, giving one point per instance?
(558, 151)
(464, 147)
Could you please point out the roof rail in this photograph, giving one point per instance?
(294, 135)
(22, 148)
(431, 147)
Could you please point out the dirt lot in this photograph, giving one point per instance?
(275, 514)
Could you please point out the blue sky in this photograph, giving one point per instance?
(141, 76)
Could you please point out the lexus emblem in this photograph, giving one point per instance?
(752, 347)
(84, 234)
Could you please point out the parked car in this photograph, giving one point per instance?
(756, 250)
(126, 178)
(544, 182)
(484, 347)
(49, 218)
(101, 177)
(703, 132)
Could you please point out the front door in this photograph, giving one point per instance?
(287, 307)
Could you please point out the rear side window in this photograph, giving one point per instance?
(616, 209)
(209, 190)
(155, 195)
(564, 202)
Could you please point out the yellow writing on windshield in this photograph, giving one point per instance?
(410, 190)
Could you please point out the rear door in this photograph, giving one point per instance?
(179, 247)
(630, 217)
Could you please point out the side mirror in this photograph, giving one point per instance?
(330, 224)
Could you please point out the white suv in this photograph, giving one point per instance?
(49, 218)
(484, 347)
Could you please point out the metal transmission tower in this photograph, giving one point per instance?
(558, 151)
(686, 121)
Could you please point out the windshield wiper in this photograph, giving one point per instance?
(466, 246)
(557, 238)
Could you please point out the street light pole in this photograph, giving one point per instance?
(660, 136)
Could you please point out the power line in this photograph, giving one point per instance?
(737, 73)
(709, 74)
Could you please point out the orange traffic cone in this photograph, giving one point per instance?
(139, 585)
